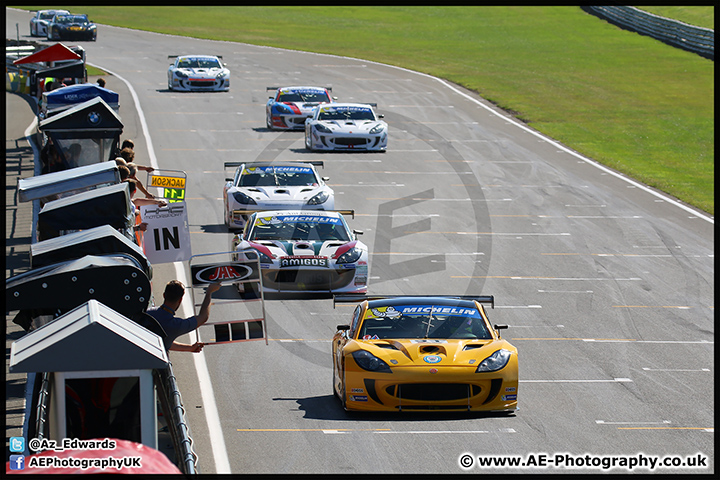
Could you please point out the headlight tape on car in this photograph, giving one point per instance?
(322, 128)
(495, 362)
(368, 361)
(243, 199)
(318, 199)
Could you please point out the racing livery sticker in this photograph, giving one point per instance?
(304, 261)
(278, 219)
(397, 310)
(278, 169)
(382, 312)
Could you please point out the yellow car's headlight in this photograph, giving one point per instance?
(495, 362)
(368, 361)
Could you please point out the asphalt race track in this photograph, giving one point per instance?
(608, 287)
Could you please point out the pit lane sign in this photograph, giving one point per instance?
(225, 272)
(171, 184)
(167, 238)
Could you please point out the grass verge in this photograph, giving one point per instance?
(623, 99)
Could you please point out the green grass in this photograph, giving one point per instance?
(699, 16)
(625, 100)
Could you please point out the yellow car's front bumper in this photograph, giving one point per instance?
(432, 388)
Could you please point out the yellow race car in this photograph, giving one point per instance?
(423, 353)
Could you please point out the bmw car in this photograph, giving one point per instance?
(274, 186)
(301, 251)
(71, 27)
(346, 126)
(39, 23)
(198, 73)
(291, 106)
(423, 353)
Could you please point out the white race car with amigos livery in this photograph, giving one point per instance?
(274, 186)
(301, 251)
(346, 126)
(198, 73)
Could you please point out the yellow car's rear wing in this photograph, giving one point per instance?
(360, 297)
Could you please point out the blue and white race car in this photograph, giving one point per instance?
(274, 186)
(305, 251)
(39, 23)
(346, 126)
(291, 106)
(198, 73)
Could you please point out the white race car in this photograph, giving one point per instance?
(274, 186)
(200, 73)
(305, 251)
(39, 23)
(346, 126)
(291, 106)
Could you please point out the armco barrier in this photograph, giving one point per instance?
(678, 34)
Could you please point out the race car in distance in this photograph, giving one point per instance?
(71, 27)
(291, 106)
(346, 126)
(422, 353)
(274, 186)
(39, 23)
(200, 73)
(301, 251)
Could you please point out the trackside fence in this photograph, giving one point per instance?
(678, 34)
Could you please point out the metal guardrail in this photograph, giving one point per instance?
(171, 402)
(673, 32)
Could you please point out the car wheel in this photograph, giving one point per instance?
(308, 142)
(268, 122)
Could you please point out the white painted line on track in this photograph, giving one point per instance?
(217, 441)
(676, 369)
(614, 380)
(427, 432)
(603, 422)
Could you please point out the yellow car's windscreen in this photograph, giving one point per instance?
(423, 321)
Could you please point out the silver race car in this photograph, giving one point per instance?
(274, 186)
(39, 23)
(305, 251)
(291, 106)
(198, 73)
(346, 126)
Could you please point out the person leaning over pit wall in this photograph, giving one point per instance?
(175, 326)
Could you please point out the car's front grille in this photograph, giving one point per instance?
(202, 84)
(433, 392)
(293, 279)
(348, 141)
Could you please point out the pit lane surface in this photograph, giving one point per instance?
(607, 288)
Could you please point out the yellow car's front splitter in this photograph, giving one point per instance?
(432, 389)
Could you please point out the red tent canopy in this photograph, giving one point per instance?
(50, 54)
